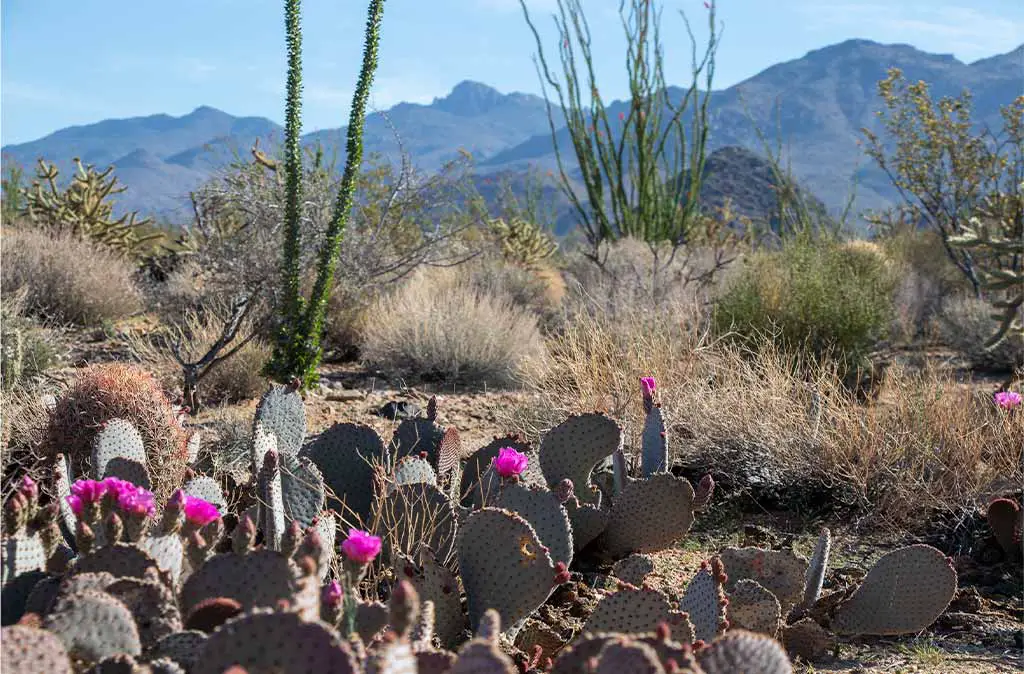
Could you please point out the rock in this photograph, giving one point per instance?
(399, 409)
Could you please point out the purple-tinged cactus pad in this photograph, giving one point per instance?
(650, 515)
(741, 651)
(93, 625)
(29, 650)
(572, 449)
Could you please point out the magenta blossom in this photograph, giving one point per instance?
(648, 385)
(84, 493)
(29, 487)
(1008, 399)
(509, 462)
(332, 593)
(200, 512)
(131, 498)
(361, 546)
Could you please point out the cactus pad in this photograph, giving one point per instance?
(633, 569)
(344, 453)
(181, 647)
(654, 444)
(622, 654)
(27, 650)
(418, 513)
(740, 651)
(479, 656)
(121, 560)
(542, 509)
(903, 593)
(152, 604)
(650, 515)
(1005, 519)
(572, 449)
(302, 490)
(588, 522)
(414, 436)
(806, 639)
(753, 608)
(259, 578)
(118, 451)
(282, 412)
(207, 489)
(630, 610)
(93, 625)
(436, 584)
(781, 572)
(167, 551)
(413, 470)
(265, 642)
(480, 460)
(704, 602)
(815, 578)
(503, 566)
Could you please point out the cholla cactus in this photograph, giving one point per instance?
(84, 209)
(523, 242)
(998, 233)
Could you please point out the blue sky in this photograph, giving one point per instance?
(68, 62)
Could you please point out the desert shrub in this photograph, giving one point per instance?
(29, 348)
(539, 290)
(438, 326)
(767, 424)
(238, 377)
(67, 279)
(817, 296)
(965, 325)
(119, 390)
(22, 431)
(631, 277)
(927, 279)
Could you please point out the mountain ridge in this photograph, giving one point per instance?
(814, 105)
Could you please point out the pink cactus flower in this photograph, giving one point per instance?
(509, 462)
(332, 593)
(29, 488)
(648, 385)
(1008, 399)
(199, 512)
(137, 502)
(361, 546)
(84, 493)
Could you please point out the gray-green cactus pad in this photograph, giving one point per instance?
(282, 412)
(572, 449)
(650, 515)
(93, 625)
(541, 508)
(345, 454)
(118, 451)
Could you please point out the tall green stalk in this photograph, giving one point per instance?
(299, 350)
(642, 177)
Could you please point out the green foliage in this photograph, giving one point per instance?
(85, 210)
(630, 168)
(298, 349)
(523, 242)
(26, 348)
(821, 297)
(13, 200)
(941, 165)
(998, 231)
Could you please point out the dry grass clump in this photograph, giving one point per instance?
(926, 442)
(439, 326)
(23, 424)
(67, 280)
(966, 324)
(119, 390)
(233, 379)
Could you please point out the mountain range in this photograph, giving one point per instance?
(812, 107)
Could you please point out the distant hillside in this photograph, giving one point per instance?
(818, 103)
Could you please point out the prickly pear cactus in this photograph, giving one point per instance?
(704, 602)
(259, 578)
(27, 650)
(650, 515)
(152, 605)
(345, 455)
(806, 639)
(181, 647)
(479, 462)
(815, 578)
(262, 642)
(622, 654)
(413, 470)
(118, 451)
(480, 656)
(207, 489)
(93, 625)
(654, 444)
(781, 572)
(1006, 521)
(438, 585)
(630, 610)
(740, 651)
(414, 436)
(413, 514)
(571, 449)
(282, 412)
(542, 509)
(503, 566)
(302, 490)
(903, 593)
(121, 560)
(633, 569)
(753, 608)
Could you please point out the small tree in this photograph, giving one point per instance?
(642, 175)
(940, 164)
(298, 350)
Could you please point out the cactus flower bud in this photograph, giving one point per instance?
(332, 594)
(29, 488)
